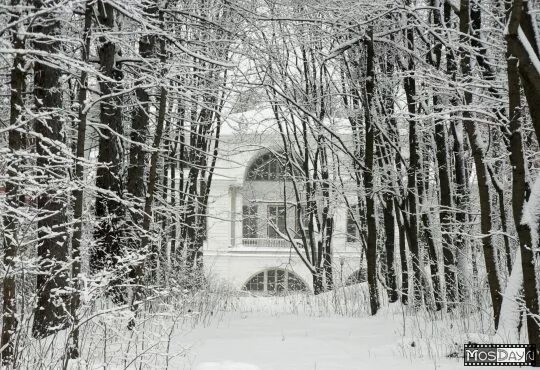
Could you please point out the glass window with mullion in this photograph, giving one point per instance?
(271, 281)
(276, 219)
(281, 281)
(256, 283)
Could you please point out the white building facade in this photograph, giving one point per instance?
(246, 205)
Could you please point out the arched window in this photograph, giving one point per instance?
(266, 167)
(359, 276)
(275, 281)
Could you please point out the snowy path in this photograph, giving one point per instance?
(255, 340)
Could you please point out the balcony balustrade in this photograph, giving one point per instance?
(265, 242)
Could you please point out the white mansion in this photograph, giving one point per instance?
(247, 197)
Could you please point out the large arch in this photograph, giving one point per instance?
(268, 165)
(275, 280)
(265, 166)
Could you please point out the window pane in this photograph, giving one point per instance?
(281, 222)
(272, 221)
(271, 280)
(266, 167)
(256, 283)
(277, 281)
(276, 218)
(280, 281)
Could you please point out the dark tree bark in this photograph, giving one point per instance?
(194, 216)
(414, 247)
(78, 193)
(327, 221)
(327, 263)
(14, 196)
(404, 265)
(488, 75)
(137, 155)
(502, 215)
(390, 242)
(432, 251)
(480, 165)
(520, 186)
(460, 197)
(445, 192)
(520, 194)
(109, 209)
(402, 234)
(371, 251)
(137, 271)
(445, 198)
(173, 196)
(518, 36)
(51, 313)
(386, 146)
(139, 127)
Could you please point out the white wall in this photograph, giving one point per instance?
(236, 263)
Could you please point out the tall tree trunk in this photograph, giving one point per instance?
(50, 314)
(137, 153)
(78, 193)
(403, 234)
(390, 242)
(523, 44)
(137, 272)
(327, 263)
(488, 75)
(445, 198)
(433, 261)
(172, 186)
(371, 252)
(139, 130)
(414, 247)
(14, 196)
(520, 186)
(327, 223)
(109, 210)
(461, 198)
(422, 184)
(404, 265)
(386, 159)
(502, 215)
(138, 269)
(481, 170)
(445, 192)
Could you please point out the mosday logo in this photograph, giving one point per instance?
(499, 354)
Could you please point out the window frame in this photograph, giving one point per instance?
(271, 233)
(275, 281)
(266, 168)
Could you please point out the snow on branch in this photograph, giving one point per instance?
(529, 49)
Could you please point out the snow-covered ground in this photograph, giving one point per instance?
(263, 334)
(221, 330)
(287, 341)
